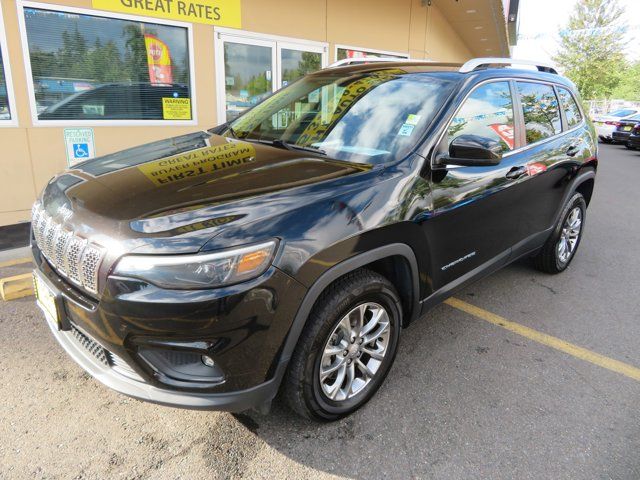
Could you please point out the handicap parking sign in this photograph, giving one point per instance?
(79, 145)
(81, 150)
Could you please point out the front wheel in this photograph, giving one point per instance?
(558, 251)
(347, 347)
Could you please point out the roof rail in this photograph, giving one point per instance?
(477, 63)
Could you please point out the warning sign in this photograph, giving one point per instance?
(198, 162)
(176, 108)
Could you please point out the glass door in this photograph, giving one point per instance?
(248, 75)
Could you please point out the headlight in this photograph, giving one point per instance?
(199, 271)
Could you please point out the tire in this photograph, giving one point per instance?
(630, 147)
(304, 391)
(552, 258)
(605, 140)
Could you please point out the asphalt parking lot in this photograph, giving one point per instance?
(466, 398)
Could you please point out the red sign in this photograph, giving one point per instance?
(158, 60)
(505, 132)
(536, 168)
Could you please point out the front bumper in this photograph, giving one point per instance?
(242, 328)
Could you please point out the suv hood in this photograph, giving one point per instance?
(190, 186)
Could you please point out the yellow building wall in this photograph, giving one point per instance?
(30, 156)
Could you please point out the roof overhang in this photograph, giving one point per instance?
(481, 24)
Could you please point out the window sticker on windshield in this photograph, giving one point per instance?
(406, 130)
(412, 119)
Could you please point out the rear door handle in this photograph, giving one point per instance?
(573, 151)
(516, 172)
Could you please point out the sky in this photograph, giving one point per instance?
(541, 20)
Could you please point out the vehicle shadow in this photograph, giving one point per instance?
(441, 403)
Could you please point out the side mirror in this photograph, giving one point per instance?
(472, 151)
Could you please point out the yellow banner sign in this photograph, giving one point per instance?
(176, 108)
(212, 12)
(198, 162)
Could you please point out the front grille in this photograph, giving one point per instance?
(90, 345)
(72, 256)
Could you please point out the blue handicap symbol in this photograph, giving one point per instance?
(81, 150)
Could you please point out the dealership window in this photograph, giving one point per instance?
(87, 67)
(355, 52)
(487, 112)
(7, 108)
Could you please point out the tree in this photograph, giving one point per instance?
(592, 46)
(629, 86)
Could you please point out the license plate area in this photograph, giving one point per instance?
(49, 300)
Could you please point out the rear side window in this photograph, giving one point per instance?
(487, 112)
(570, 107)
(541, 111)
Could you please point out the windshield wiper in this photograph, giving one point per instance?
(292, 146)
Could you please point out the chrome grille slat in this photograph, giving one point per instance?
(69, 254)
(74, 255)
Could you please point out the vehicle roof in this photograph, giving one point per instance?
(479, 74)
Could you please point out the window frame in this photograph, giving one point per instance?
(6, 63)
(22, 4)
(403, 55)
(246, 37)
(518, 116)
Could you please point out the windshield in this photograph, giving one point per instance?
(622, 113)
(366, 117)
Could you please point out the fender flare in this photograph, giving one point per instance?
(337, 271)
(575, 183)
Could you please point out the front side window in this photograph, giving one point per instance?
(87, 67)
(369, 117)
(487, 112)
(570, 107)
(541, 111)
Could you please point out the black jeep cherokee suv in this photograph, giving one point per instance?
(287, 249)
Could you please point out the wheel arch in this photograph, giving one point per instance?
(395, 261)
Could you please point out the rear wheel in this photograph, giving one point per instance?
(557, 253)
(629, 146)
(347, 347)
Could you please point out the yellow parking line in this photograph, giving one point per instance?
(553, 342)
(17, 261)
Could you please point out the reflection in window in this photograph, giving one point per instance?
(370, 117)
(87, 67)
(296, 64)
(487, 112)
(570, 107)
(248, 76)
(350, 53)
(5, 113)
(541, 112)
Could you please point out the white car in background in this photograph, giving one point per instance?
(606, 124)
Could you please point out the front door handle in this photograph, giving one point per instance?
(516, 172)
(573, 150)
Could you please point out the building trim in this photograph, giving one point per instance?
(366, 49)
(22, 4)
(6, 63)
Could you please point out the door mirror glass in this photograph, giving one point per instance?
(473, 151)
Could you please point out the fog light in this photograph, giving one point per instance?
(208, 361)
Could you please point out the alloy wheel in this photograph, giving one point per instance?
(354, 351)
(570, 235)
